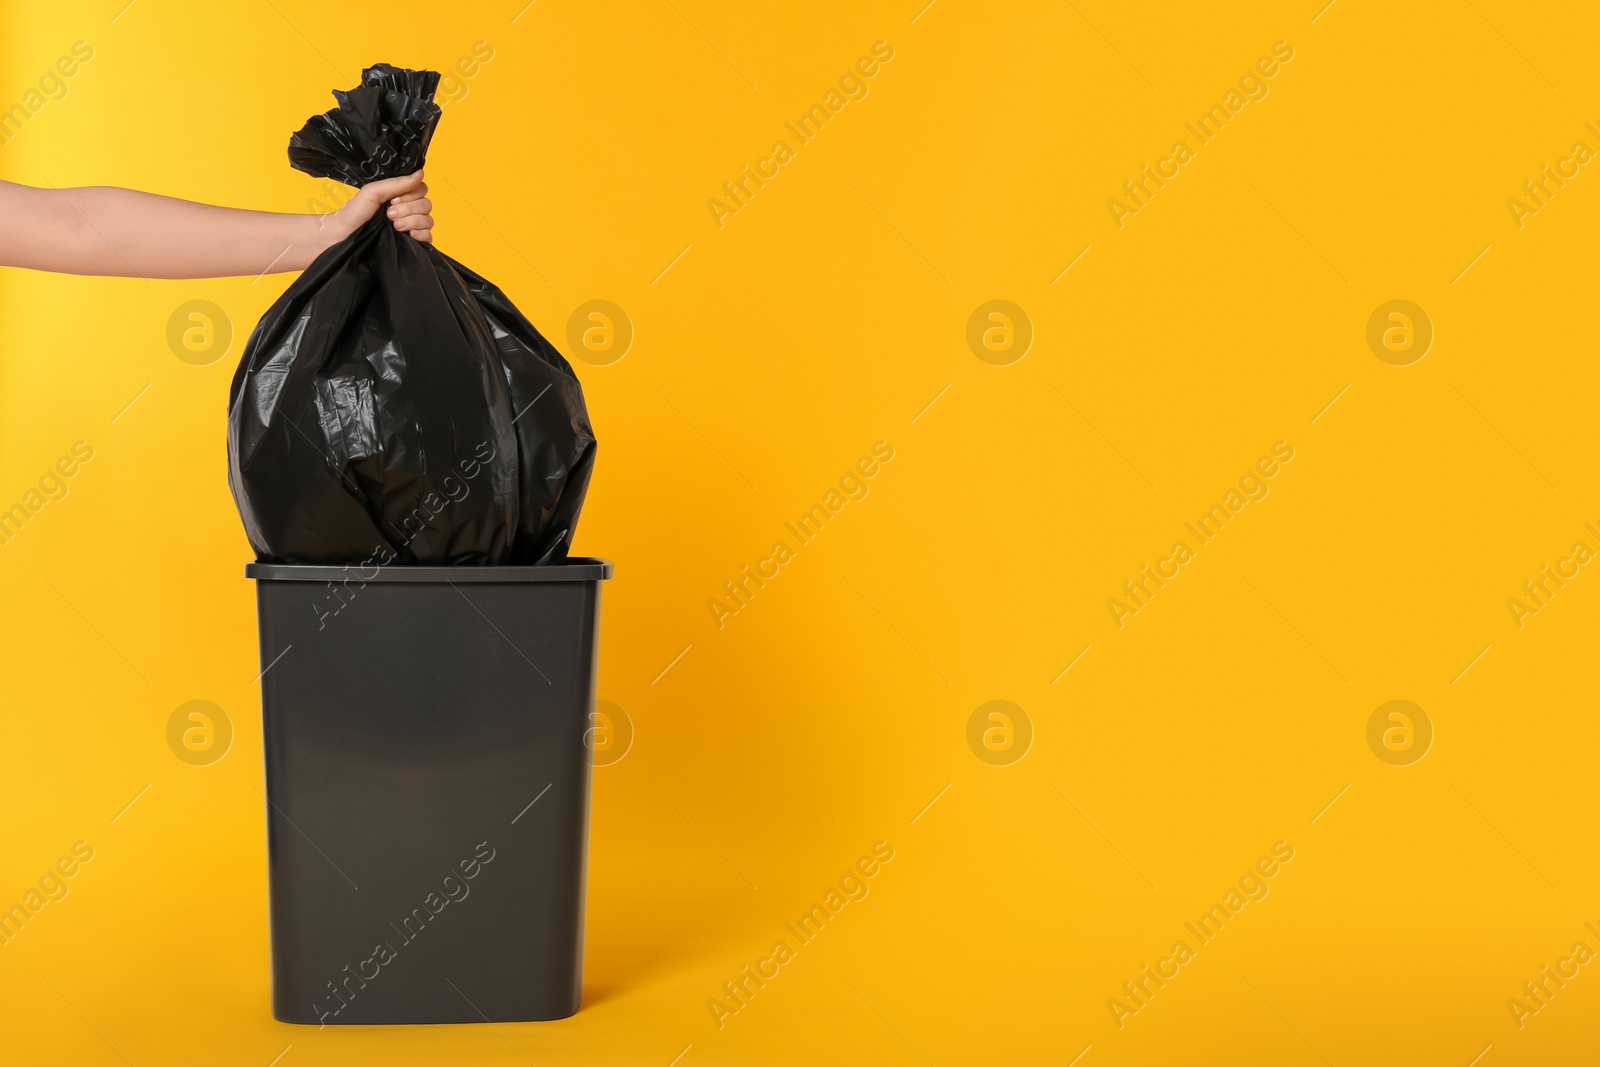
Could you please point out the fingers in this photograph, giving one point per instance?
(405, 203)
(419, 223)
(417, 193)
(390, 188)
(412, 213)
(401, 210)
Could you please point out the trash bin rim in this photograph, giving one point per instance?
(573, 569)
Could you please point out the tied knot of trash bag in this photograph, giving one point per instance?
(380, 129)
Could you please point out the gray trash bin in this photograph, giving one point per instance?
(427, 787)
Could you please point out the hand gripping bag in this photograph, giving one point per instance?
(393, 406)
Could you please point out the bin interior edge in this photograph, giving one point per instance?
(574, 569)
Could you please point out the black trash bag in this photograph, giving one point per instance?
(392, 406)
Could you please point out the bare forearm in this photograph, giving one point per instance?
(126, 233)
(123, 232)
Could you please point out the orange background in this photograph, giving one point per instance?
(831, 312)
